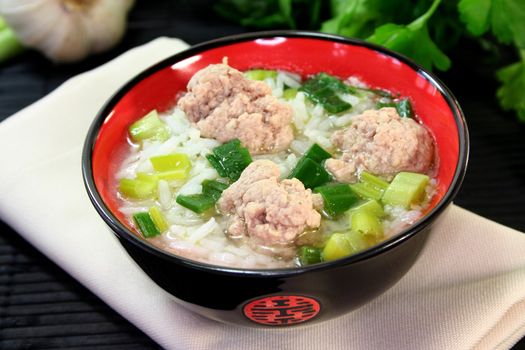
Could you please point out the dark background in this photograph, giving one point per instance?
(43, 307)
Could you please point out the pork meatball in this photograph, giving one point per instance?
(266, 211)
(382, 143)
(226, 105)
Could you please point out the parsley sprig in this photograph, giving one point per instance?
(421, 29)
(505, 19)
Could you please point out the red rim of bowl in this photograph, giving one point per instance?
(125, 233)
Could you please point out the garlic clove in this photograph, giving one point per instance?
(67, 45)
(67, 30)
(16, 14)
(103, 32)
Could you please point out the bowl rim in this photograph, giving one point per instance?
(123, 232)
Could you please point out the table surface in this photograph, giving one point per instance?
(43, 307)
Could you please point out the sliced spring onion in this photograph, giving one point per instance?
(309, 170)
(337, 198)
(310, 173)
(324, 89)
(158, 219)
(337, 247)
(214, 161)
(198, 203)
(138, 188)
(168, 162)
(317, 153)
(340, 245)
(380, 105)
(260, 74)
(406, 189)
(378, 92)
(174, 166)
(145, 225)
(213, 188)
(403, 107)
(147, 177)
(369, 186)
(290, 93)
(149, 127)
(230, 159)
(371, 206)
(367, 223)
(357, 241)
(309, 255)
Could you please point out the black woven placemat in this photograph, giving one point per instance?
(42, 307)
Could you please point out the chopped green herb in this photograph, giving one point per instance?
(317, 153)
(324, 89)
(309, 255)
(367, 223)
(309, 170)
(406, 189)
(260, 74)
(337, 247)
(340, 245)
(358, 241)
(214, 161)
(378, 92)
(404, 108)
(290, 93)
(168, 162)
(337, 198)
(145, 225)
(174, 166)
(369, 186)
(380, 105)
(310, 173)
(371, 206)
(158, 219)
(230, 159)
(138, 188)
(213, 188)
(198, 203)
(149, 127)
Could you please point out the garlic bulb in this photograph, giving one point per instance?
(67, 30)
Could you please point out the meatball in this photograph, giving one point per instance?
(382, 143)
(266, 211)
(225, 105)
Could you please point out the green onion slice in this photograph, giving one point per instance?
(230, 159)
(337, 198)
(324, 89)
(145, 225)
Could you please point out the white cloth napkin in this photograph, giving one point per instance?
(467, 290)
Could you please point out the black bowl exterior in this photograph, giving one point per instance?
(337, 290)
(279, 297)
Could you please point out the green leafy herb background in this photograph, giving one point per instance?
(423, 30)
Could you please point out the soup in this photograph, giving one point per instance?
(268, 169)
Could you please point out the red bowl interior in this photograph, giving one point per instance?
(301, 55)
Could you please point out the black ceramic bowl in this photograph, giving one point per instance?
(282, 296)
